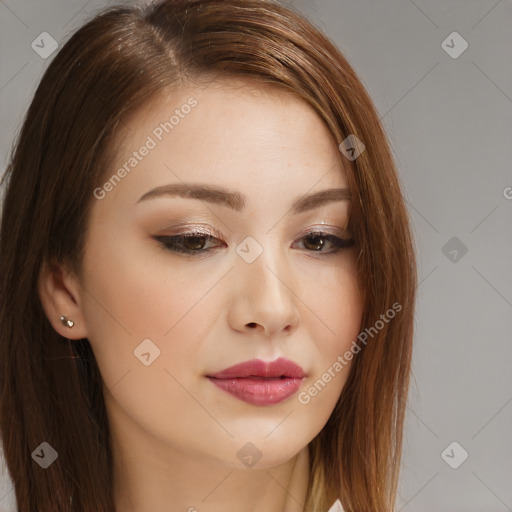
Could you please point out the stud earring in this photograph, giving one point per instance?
(66, 322)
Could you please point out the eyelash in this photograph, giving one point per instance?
(172, 243)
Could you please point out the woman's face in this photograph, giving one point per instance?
(255, 285)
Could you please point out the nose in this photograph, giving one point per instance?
(264, 299)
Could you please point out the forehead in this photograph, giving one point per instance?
(251, 137)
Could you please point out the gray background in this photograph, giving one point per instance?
(450, 124)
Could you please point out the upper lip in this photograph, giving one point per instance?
(281, 367)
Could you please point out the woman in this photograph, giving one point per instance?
(175, 332)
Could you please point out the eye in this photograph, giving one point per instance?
(196, 243)
(190, 244)
(315, 241)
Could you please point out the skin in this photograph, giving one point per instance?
(175, 434)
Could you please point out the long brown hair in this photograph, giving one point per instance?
(51, 390)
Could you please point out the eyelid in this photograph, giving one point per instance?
(186, 228)
(325, 229)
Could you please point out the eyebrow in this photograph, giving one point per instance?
(236, 200)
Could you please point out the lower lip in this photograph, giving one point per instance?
(256, 391)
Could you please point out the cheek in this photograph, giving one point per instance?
(134, 298)
(165, 312)
(339, 306)
(336, 299)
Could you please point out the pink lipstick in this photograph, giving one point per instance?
(260, 383)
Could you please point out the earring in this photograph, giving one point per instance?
(66, 322)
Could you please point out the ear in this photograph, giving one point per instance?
(59, 291)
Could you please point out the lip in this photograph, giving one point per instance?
(260, 383)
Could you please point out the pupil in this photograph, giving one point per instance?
(189, 242)
(318, 245)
